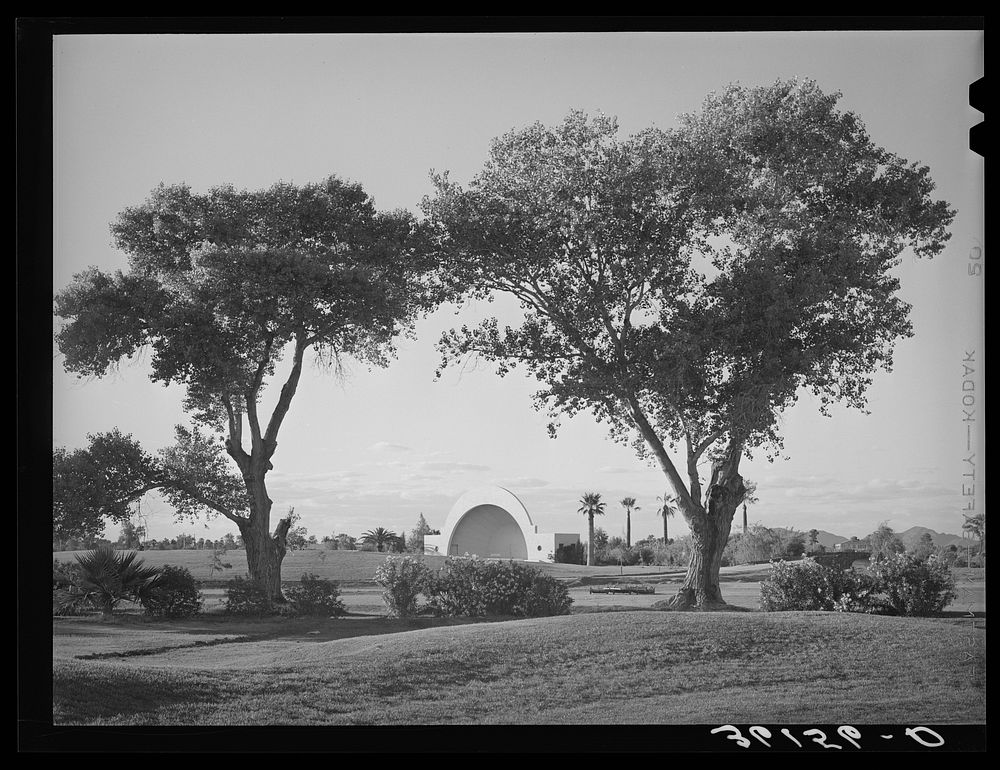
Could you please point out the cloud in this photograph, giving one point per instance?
(388, 446)
(524, 482)
(451, 467)
(615, 469)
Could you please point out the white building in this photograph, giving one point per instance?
(490, 522)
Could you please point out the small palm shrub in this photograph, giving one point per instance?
(477, 588)
(247, 597)
(402, 578)
(107, 577)
(174, 595)
(912, 586)
(315, 596)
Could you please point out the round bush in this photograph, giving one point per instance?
(247, 597)
(805, 585)
(402, 578)
(477, 588)
(911, 586)
(315, 596)
(174, 594)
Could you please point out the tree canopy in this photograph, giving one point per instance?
(220, 287)
(686, 286)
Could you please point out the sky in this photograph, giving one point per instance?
(379, 447)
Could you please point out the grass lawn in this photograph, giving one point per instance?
(638, 667)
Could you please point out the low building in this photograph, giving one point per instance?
(490, 522)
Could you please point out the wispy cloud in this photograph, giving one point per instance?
(524, 482)
(388, 446)
(450, 467)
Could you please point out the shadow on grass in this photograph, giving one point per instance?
(84, 692)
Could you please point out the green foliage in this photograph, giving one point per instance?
(415, 543)
(757, 545)
(808, 585)
(109, 577)
(883, 542)
(175, 594)
(297, 536)
(380, 539)
(924, 548)
(315, 596)
(67, 596)
(615, 551)
(685, 286)
(248, 598)
(65, 574)
(403, 579)
(571, 553)
(912, 586)
(478, 588)
(899, 584)
(221, 286)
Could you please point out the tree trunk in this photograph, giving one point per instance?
(666, 540)
(590, 540)
(628, 529)
(710, 526)
(265, 552)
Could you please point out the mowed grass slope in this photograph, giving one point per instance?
(618, 668)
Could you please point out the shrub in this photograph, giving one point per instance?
(315, 596)
(477, 588)
(571, 553)
(914, 587)
(247, 597)
(107, 577)
(175, 594)
(805, 585)
(900, 584)
(402, 578)
(65, 575)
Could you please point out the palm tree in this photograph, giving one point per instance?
(628, 503)
(379, 537)
(976, 527)
(749, 498)
(591, 505)
(667, 509)
(108, 576)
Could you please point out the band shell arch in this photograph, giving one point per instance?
(491, 522)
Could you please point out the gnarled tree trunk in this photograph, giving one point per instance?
(710, 527)
(265, 551)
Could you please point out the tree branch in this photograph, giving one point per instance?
(285, 399)
(234, 444)
(684, 498)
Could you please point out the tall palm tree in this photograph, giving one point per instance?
(591, 505)
(667, 509)
(628, 503)
(379, 537)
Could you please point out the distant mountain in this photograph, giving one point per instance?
(911, 537)
(828, 540)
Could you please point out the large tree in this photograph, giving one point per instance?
(221, 286)
(687, 286)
